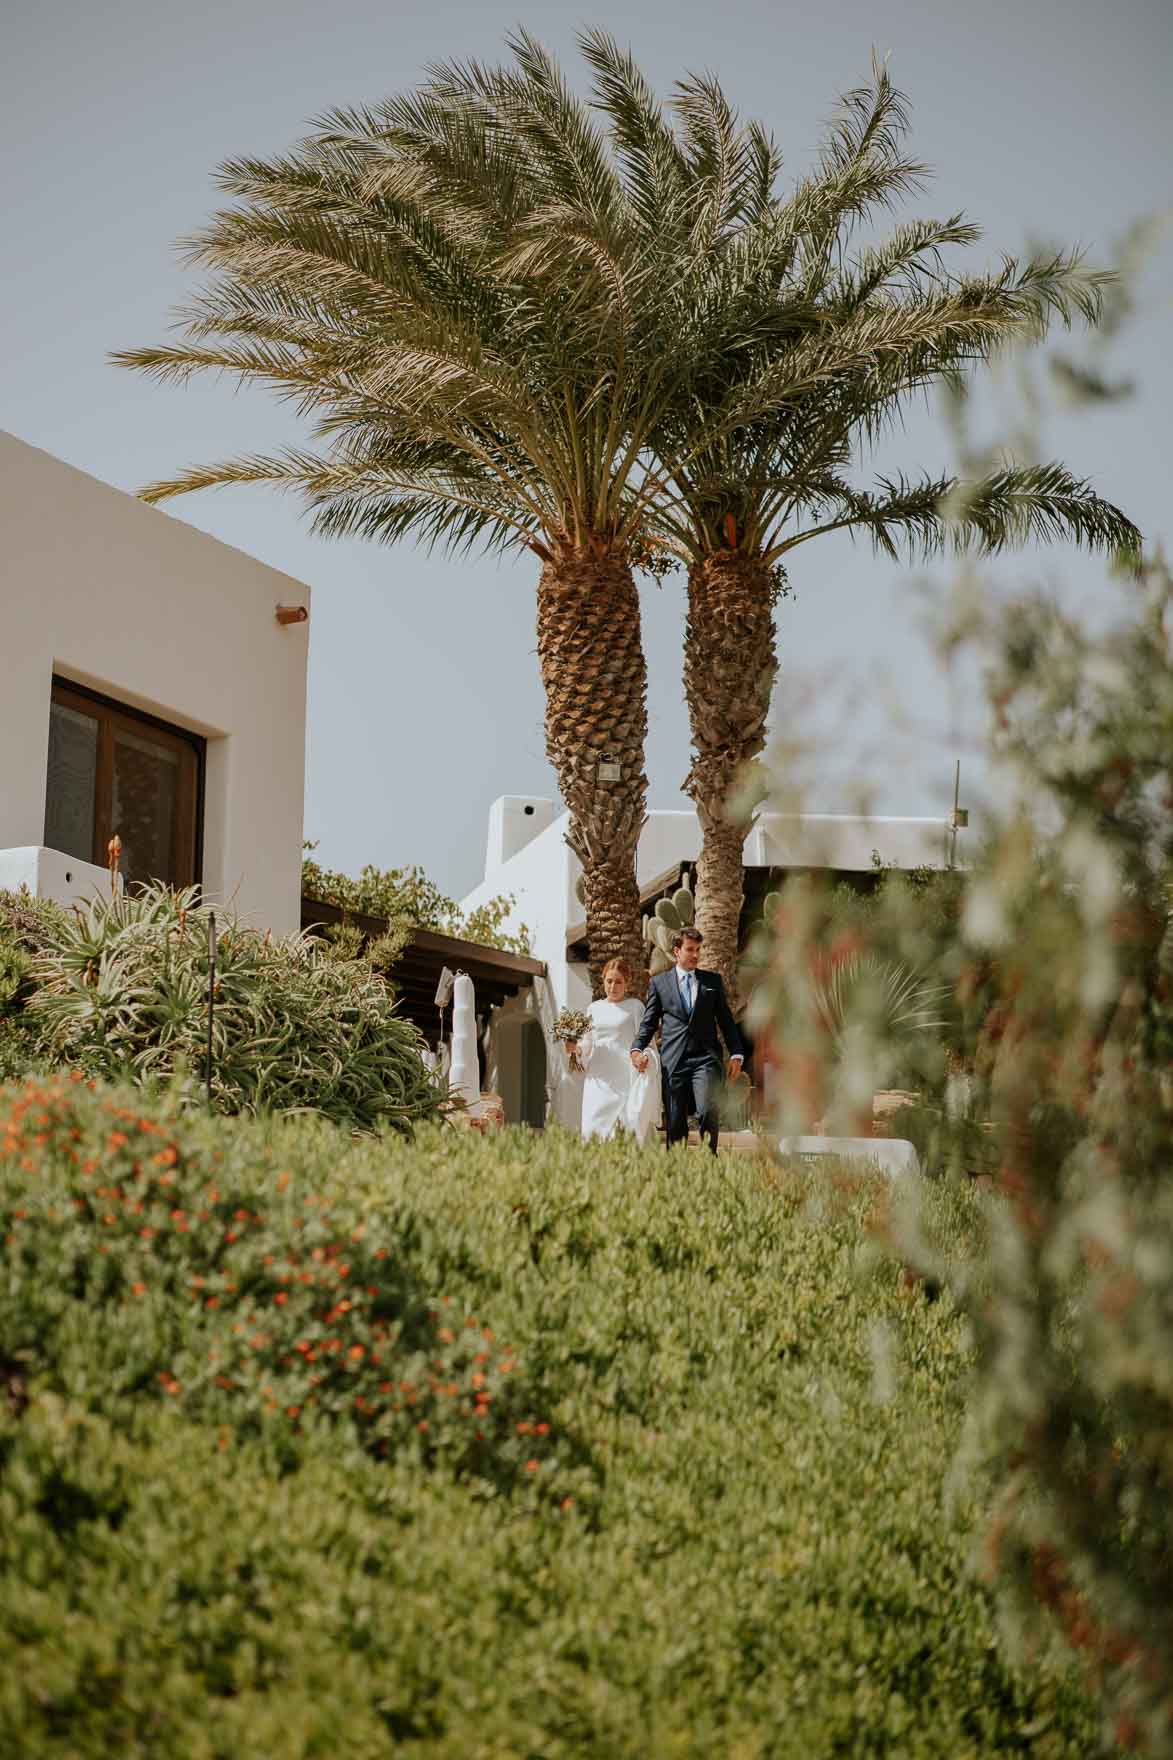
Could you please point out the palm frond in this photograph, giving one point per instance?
(1012, 507)
(884, 997)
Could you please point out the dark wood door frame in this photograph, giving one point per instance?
(187, 852)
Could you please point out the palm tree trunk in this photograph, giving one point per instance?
(593, 669)
(729, 669)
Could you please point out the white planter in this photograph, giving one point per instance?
(48, 873)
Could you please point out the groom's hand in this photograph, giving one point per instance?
(735, 1064)
(640, 1060)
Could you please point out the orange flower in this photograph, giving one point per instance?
(116, 1140)
(292, 1411)
(533, 1466)
(280, 1298)
(567, 1503)
(140, 1289)
(356, 1352)
(422, 1425)
(541, 1429)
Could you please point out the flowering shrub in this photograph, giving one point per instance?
(232, 1290)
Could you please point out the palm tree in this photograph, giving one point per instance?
(480, 365)
(832, 349)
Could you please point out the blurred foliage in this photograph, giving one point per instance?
(679, 1490)
(1057, 946)
(408, 900)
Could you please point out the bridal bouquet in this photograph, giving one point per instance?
(569, 1028)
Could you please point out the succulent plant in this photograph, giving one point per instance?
(669, 917)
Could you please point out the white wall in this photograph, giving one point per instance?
(112, 594)
(542, 875)
(514, 821)
(847, 842)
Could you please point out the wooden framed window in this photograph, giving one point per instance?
(113, 769)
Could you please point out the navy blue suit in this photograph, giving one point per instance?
(690, 1051)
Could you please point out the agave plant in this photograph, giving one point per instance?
(123, 988)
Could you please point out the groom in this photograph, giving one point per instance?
(689, 1006)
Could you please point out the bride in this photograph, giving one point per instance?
(614, 1096)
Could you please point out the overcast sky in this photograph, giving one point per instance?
(1041, 118)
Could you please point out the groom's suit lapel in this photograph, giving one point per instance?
(672, 999)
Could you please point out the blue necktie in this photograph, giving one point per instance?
(688, 991)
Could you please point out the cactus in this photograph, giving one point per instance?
(669, 917)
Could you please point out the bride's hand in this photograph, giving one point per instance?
(640, 1060)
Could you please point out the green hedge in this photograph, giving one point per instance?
(704, 1516)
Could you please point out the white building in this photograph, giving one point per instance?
(527, 856)
(148, 689)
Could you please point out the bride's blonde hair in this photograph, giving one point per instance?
(619, 965)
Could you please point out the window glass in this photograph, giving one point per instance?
(116, 773)
(143, 806)
(73, 770)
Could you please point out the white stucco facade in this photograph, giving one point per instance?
(107, 593)
(540, 871)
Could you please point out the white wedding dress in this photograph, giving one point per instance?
(615, 1095)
